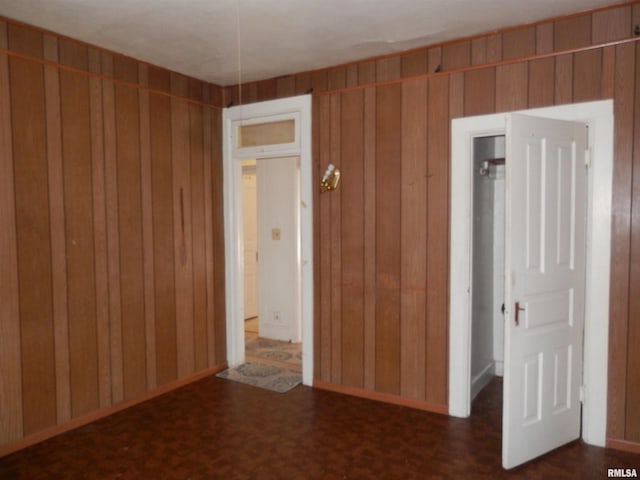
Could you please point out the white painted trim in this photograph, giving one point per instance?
(599, 117)
(297, 107)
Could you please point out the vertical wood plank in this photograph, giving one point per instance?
(207, 180)
(366, 73)
(369, 211)
(78, 216)
(325, 259)
(480, 91)
(182, 236)
(456, 55)
(10, 348)
(632, 414)
(434, 59)
(352, 241)
(335, 242)
(33, 230)
(413, 239)
(494, 47)
(100, 229)
(352, 75)
(58, 247)
(442, 105)
(163, 238)
(285, 86)
(456, 97)
(218, 242)
(388, 68)
(541, 82)
(519, 43)
(564, 79)
(131, 241)
(587, 75)
(414, 63)
(544, 38)
(147, 229)
(388, 208)
(479, 51)
(113, 236)
(337, 78)
(317, 127)
(198, 236)
(611, 24)
(512, 86)
(608, 71)
(620, 239)
(25, 40)
(572, 32)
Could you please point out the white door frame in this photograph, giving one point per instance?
(299, 109)
(599, 118)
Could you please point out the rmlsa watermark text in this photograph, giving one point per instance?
(622, 473)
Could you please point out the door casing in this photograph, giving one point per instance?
(599, 118)
(299, 109)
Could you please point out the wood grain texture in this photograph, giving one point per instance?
(131, 245)
(608, 71)
(632, 414)
(324, 261)
(620, 240)
(352, 238)
(544, 37)
(388, 68)
(183, 240)
(440, 108)
(519, 43)
(337, 78)
(480, 91)
(388, 208)
(163, 238)
(100, 230)
(541, 82)
(28, 118)
(335, 241)
(147, 230)
(413, 238)
(58, 242)
(563, 90)
(612, 24)
(78, 201)
(218, 242)
(207, 152)
(25, 40)
(572, 32)
(11, 428)
(113, 237)
(587, 76)
(369, 227)
(512, 87)
(456, 55)
(199, 238)
(414, 63)
(317, 172)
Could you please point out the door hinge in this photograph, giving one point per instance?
(587, 158)
(582, 394)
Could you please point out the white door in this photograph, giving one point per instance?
(250, 232)
(279, 245)
(545, 193)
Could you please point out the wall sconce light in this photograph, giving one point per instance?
(330, 179)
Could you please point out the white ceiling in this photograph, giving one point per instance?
(202, 38)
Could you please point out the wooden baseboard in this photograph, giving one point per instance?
(382, 397)
(104, 412)
(624, 445)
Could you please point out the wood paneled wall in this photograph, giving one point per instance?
(381, 239)
(111, 253)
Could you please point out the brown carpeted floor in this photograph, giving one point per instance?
(218, 429)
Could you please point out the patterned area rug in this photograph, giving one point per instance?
(273, 352)
(262, 375)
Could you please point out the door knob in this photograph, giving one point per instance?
(518, 309)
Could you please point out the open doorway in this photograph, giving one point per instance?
(487, 330)
(271, 242)
(598, 116)
(278, 129)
